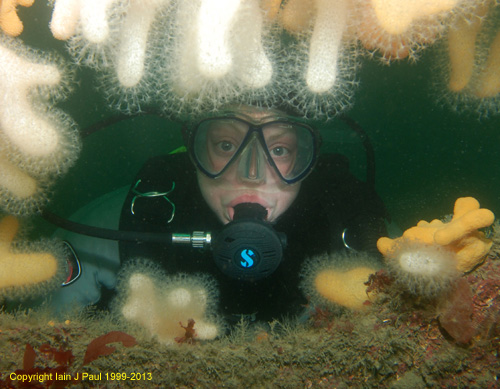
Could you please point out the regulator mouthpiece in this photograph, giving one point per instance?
(249, 211)
(248, 248)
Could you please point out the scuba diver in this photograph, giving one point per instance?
(257, 173)
(248, 203)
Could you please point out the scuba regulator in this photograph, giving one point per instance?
(247, 248)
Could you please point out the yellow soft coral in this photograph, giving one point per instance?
(9, 21)
(296, 15)
(345, 288)
(21, 270)
(467, 49)
(270, 8)
(460, 235)
(15, 181)
(396, 16)
(462, 47)
(399, 28)
(489, 79)
(339, 278)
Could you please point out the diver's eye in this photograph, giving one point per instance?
(279, 151)
(226, 146)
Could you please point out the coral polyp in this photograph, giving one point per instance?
(158, 303)
(421, 269)
(38, 142)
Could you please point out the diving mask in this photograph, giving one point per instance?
(290, 147)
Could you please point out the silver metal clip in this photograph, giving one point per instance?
(153, 194)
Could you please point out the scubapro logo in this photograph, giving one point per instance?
(247, 258)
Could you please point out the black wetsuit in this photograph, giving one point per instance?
(329, 201)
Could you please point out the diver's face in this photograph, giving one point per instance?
(258, 183)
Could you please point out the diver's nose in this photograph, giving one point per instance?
(252, 164)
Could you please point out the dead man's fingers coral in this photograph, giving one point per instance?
(489, 80)
(462, 234)
(9, 21)
(325, 44)
(133, 40)
(462, 47)
(22, 273)
(296, 15)
(158, 304)
(271, 8)
(37, 140)
(428, 256)
(399, 28)
(218, 52)
(15, 181)
(65, 17)
(92, 15)
(339, 279)
(253, 66)
(471, 251)
(214, 22)
(396, 16)
(346, 288)
(31, 133)
(467, 217)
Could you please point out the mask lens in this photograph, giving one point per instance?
(291, 147)
(217, 141)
